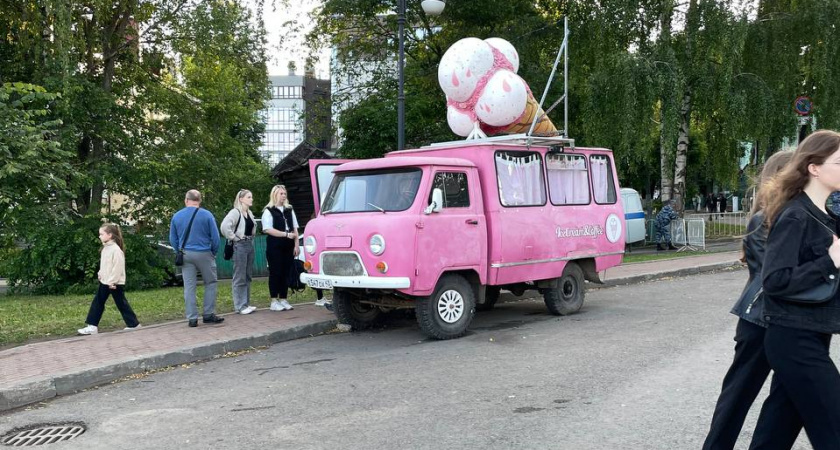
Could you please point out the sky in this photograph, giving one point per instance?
(275, 14)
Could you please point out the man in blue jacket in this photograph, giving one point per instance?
(196, 231)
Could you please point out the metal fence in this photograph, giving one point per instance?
(694, 229)
(723, 224)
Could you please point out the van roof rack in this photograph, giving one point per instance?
(511, 139)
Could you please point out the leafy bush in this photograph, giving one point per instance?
(64, 259)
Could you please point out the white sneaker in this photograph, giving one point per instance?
(321, 302)
(133, 328)
(276, 306)
(285, 304)
(88, 330)
(247, 310)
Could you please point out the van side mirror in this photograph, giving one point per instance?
(437, 202)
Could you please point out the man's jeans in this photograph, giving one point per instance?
(204, 262)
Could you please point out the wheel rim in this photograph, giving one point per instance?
(569, 289)
(450, 306)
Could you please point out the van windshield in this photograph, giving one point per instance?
(372, 190)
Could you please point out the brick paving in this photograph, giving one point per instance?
(63, 356)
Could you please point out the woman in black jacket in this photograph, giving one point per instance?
(749, 368)
(802, 252)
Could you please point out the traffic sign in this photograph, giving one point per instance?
(802, 105)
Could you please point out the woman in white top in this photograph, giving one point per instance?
(239, 227)
(280, 224)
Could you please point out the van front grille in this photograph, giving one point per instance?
(342, 264)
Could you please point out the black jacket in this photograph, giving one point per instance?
(750, 305)
(796, 258)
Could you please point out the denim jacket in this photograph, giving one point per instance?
(750, 305)
(795, 259)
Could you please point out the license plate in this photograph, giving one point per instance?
(319, 284)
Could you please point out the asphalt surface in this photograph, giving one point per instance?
(638, 368)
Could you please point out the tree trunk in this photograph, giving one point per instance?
(682, 152)
(93, 150)
(664, 165)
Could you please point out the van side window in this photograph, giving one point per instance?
(603, 184)
(568, 179)
(455, 190)
(520, 178)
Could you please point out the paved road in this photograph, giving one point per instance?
(638, 368)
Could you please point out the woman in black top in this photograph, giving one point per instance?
(802, 252)
(238, 227)
(281, 247)
(749, 368)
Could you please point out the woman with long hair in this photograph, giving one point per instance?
(239, 227)
(749, 368)
(802, 252)
(280, 224)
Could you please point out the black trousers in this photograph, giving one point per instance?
(741, 386)
(97, 307)
(805, 391)
(280, 254)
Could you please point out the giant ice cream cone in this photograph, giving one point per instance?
(532, 110)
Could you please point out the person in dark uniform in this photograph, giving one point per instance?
(662, 226)
(280, 224)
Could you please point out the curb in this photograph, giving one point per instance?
(44, 389)
(671, 273)
(47, 388)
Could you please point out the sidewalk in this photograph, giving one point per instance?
(43, 370)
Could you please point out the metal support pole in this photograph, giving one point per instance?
(566, 77)
(401, 92)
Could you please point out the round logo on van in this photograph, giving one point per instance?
(613, 227)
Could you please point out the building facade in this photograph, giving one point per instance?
(299, 110)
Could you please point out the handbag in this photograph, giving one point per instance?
(820, 293)
(229, 243)
(179, 254)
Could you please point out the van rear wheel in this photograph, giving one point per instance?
(349, 310)
(567, 297)
(447, 313)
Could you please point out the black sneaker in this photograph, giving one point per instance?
(193, 323)
(212, 318)
(328, 305)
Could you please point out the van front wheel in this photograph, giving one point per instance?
(447, 313)
(567, 297)
(349, 310)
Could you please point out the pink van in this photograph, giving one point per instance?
(444, 228)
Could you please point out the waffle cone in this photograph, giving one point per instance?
(532, 109)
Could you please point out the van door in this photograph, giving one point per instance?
(455, 237)
(321, 175)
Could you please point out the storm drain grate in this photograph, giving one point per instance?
(42, 434)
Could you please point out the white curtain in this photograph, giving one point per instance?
(520, 180)
(600, 179)
(568, 181)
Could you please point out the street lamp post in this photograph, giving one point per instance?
(432, 8)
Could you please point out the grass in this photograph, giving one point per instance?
(630, 258)
(26, 318)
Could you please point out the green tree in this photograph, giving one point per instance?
(152, 98)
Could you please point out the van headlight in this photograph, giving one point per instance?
(377, 244)
(310, 244)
